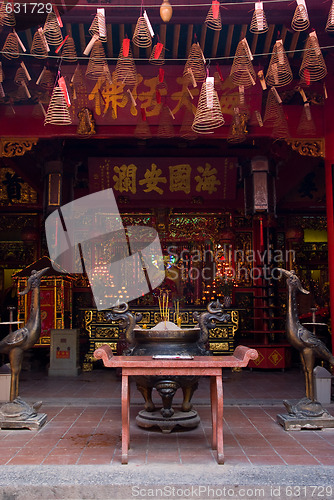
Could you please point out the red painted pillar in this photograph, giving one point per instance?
(329, 168)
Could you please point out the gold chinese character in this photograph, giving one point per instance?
(207, 181)
(152, 178)
(230, 98)
(149, 99)
(183, 97)
(125, 181)
(179, 178)
(108, 94)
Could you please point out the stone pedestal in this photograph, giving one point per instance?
(296, 423)
(186, 419)
(5, 378)
(33, 423)
(19, 414)
(305, 414)
(64, 353)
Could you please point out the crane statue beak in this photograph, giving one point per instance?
(291, 274)
(35, 275)
(302, 290)
(40, 273)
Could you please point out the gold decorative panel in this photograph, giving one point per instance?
(221, 346)
(308, 147)
(13, 189)
(10, 147)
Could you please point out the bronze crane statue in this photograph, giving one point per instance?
(15, 343)
(308, 345)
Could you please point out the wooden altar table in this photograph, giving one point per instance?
(200, 366)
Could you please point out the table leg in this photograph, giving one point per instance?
(220, 407)
(125, 418)
(213, 394)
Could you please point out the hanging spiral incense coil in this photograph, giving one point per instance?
(142, 130)
(58, 113)
(69, 53)
(242, 71)
(330, 19)
(97, 62)
(47, 80)
(125, 71)
(279, 72)
(306, 124)
(186, 130)
(21, 79)
(161, 57)
(274, 117)
(38, 46)
(52, 30)
(142, 37)
(20, 76)
(280, 129)
(207, 119)
(213, 19)
(195, 65)
(7, 17)
(300, 20)
(259, 23)
(79, 94)
(313, 67)
(98, 27)
(78, 79)
(272, 110)
(2, 74)
(10, 50)
(166, 125)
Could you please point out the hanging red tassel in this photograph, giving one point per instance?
(143, 114)
(261, 233)
(307, 77)
(56, 11)
(62, 43)
(219, 72)
(158, 50)
(215, 9)
(161, 75)
(62, 85)
(158, 96)
(126, 47)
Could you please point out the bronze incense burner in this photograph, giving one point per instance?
(167, 339)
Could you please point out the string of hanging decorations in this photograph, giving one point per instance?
(176, 59)
(208, 114)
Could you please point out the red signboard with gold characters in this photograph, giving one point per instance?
(165, 178)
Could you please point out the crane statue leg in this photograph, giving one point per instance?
(15, 358)
(308, 364)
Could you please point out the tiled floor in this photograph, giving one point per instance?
(83, 424)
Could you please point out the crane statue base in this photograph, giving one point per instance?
(305, 414)
(18, 414)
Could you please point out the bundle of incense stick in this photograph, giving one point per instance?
(163, 306)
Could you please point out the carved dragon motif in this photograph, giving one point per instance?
(207, 321)
(127, 321)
